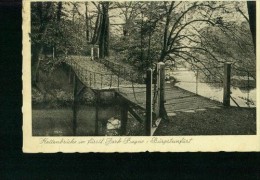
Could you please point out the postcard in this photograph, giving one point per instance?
(137, 76)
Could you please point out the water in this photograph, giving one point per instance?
(213, 91)
(58, 122)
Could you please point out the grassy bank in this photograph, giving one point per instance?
(224, 121)
(54, 90)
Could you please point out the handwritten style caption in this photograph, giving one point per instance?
(110, 141)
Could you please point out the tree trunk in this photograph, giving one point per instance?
(251, 7)
(107, 38)
(104, 32)
(96, 34)
(35, 64)
(87, 22)
(36, 58)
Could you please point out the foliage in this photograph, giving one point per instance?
(233, 44)
(57, 29)
(202, 33)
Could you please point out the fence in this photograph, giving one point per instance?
(97, 80)
(124, 72)
(221, 83)
(245, 80)
(197, 76)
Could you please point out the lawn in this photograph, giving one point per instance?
(223, 121)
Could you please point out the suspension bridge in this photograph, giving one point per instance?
(147, 101)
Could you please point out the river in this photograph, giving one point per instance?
(58, 121)
(187, 81)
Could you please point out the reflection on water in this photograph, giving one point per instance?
(87, 118)
(187, 81)
(58, 122)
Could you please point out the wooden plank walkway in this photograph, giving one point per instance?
(177, 99)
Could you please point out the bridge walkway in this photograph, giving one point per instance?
(125, 86)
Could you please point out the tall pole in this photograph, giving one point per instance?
(142, 41)
(124, 117)
(87, 22)
(92, 53)
(148, 122)
(97, 112)
(197, 81)
(75, 105)
(161, 88)
(226, 94)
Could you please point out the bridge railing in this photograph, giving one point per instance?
(210, 82)
(195, 77)
(101, 80)
(245, 80)
(123, 72)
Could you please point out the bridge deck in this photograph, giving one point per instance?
(177, 99)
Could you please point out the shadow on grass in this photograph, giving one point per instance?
(223, 121)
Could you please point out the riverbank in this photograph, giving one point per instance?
(222, 121)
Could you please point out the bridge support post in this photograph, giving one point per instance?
(70, 75)
(92, 53)
(97, 111)
(148, 121)
(124, 117)
(161, 67)
(75, 105)
(98, 53)
(226, 85)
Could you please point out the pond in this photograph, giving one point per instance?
(58, 121)
(186, 79)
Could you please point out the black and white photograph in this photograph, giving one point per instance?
(142, 68)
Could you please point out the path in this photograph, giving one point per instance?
(177, 99)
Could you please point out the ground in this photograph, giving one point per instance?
(223, 121)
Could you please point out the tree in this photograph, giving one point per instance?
(104, 31)
(56, 27)
(165, 27)
(251, 6)
(42, 13)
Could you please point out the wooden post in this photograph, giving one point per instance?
(92, 53)
(111, 78)
(226, 94)
(148, 122)
(97, 111)
(75, 108)
(53, 53)
(70, 75)
(90, 78)
(197, 81)
(101, 80)
(156, 96)
(248, 88)
(118, 82)
(161, 88)
(94, 79)
(124, 117)
(98, 53)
